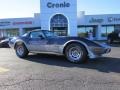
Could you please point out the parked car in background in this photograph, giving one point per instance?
(4, 43)
(114, 36)
(75, 49)
(3, 38)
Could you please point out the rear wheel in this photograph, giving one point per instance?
(76, 53)
(21, 50)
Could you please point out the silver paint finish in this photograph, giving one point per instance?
(43, 46)
(58, 49)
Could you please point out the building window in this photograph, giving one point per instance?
(59, 25)
(9, 32)
(26, 30)
(83, 31)
(110, 29)
(106, 30)
(117, 27)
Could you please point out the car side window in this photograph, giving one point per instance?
(36, 34)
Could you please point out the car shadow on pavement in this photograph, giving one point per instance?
(104, 64)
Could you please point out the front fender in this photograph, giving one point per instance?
(75, 41)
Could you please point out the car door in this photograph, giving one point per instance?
(37, 41)
(52, 45)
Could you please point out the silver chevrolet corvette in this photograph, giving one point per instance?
(75, 49)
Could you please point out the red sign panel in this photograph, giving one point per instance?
(22, 23)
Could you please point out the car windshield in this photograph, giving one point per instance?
(50, 34)
(25, 35)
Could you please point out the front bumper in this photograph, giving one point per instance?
(96, 52)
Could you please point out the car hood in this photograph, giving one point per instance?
(64, 39)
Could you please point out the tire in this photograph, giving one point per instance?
(76, 53)
(21, 50)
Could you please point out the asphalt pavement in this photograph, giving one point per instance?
(50, 72)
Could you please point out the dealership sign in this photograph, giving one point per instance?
(23, 23)
(95, 20)
(58, 5)
(101, 20)
(113, 19)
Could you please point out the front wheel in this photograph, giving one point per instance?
(21, 50)
(76, 53)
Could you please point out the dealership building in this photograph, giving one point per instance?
(61, 16)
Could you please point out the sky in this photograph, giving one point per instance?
(27, 8)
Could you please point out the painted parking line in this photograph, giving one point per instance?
(3, 70)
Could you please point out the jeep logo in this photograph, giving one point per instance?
(95, 20)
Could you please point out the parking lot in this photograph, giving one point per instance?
(49, 72)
